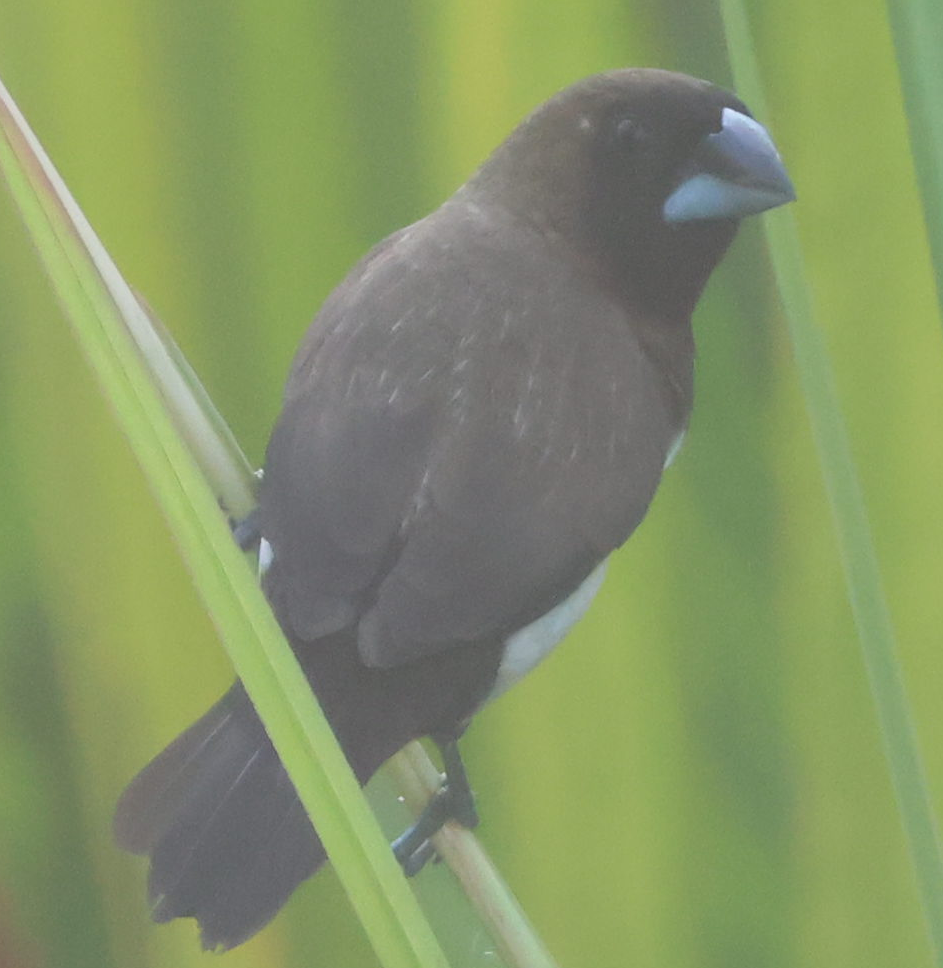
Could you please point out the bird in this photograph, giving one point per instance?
(478, 416)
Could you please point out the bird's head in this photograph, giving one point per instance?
(646, 172)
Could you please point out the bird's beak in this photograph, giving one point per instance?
(733, 172)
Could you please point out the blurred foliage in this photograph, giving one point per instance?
(696, 777)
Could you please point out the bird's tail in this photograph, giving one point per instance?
(227, 836)
(228, 839)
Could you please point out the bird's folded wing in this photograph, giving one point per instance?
(464, 439)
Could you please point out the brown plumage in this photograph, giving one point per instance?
(480, 413)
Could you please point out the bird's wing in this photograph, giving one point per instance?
(468, 429)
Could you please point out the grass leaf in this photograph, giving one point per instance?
(862, 575)
(103, 310)
(918, 36)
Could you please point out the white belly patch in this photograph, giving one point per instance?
(526, 647)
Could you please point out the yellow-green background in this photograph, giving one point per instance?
(696, 778)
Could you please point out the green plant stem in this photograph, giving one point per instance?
(229, 474)
(871, 614)
(518, 943)
(211, 442)
(98, 303)
(918, 36)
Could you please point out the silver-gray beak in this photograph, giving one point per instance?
(734, 172)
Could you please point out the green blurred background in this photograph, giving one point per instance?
(696, 778)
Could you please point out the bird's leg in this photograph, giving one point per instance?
(457, 785)
(454, 800)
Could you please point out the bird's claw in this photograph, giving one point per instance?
(413, 848)
(413, 863)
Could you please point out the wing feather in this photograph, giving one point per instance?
(459, 448)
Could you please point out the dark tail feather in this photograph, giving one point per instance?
(228, 838)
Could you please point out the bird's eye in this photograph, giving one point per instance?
(629, 133)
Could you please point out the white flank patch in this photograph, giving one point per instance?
(266, 557)
(673, 449)
(526, 647)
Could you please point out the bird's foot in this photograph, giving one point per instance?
(454, 800)
(413, 848)
(246, 532)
